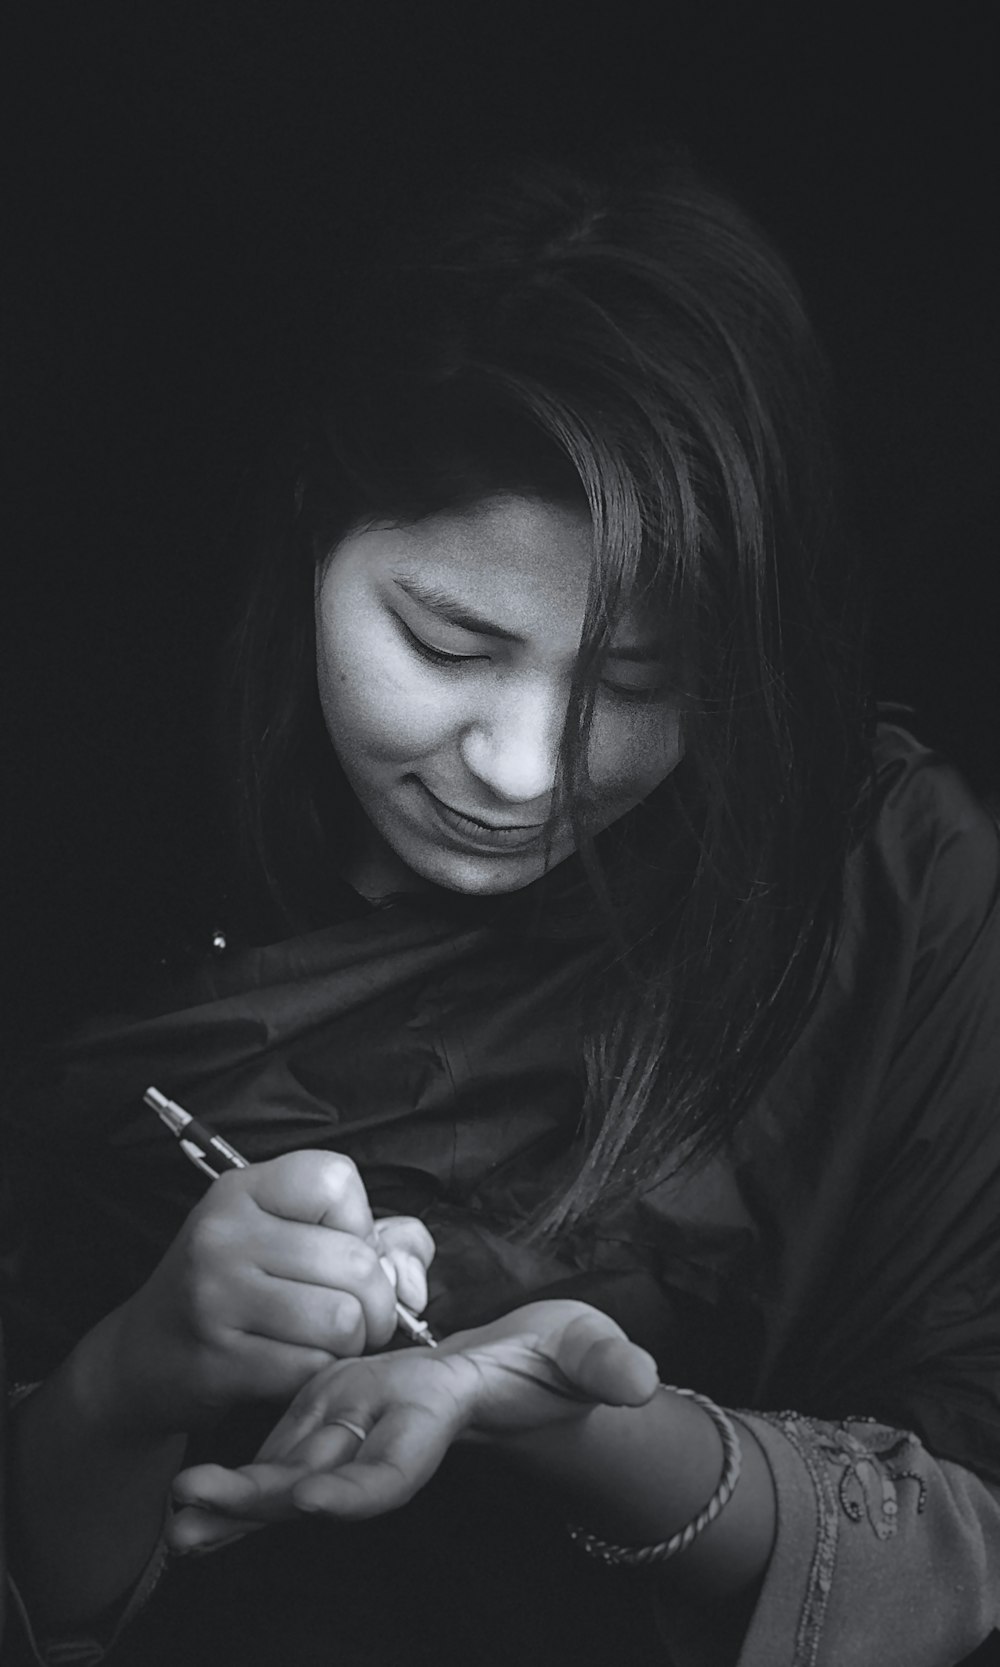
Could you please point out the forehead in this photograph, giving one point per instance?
(507, 552)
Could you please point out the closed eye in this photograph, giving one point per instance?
(436, 656)
(636, 696)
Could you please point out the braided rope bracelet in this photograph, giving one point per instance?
(639, 1556)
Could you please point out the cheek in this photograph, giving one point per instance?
(374, 705)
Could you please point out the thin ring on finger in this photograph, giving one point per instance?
(345, 1424)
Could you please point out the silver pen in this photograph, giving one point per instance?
(205, 1149)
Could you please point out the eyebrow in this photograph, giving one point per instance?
(451, 609)
(456, 612)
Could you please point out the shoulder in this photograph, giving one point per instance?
(929, 840)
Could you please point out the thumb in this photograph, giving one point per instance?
(406, 1250)
(605, 1365)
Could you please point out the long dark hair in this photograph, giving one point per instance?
(623, 337)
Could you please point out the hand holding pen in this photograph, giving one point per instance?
(213, 1155)
(274, 1275)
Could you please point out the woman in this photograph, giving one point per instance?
(621, 987)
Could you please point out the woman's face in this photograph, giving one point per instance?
(445, 655)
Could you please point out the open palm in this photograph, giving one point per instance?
(545, 1362)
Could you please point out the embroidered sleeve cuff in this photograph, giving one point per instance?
(788, 1618)
(882, 1552)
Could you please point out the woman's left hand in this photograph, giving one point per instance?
(543, 1363)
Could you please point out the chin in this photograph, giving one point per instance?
(479, 877)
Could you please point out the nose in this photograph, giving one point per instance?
(512, 748)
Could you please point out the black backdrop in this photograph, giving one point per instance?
(182, 185)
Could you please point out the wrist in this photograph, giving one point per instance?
(88, 1483)
(633, 1474)
(661, 1551)
(465, 1388)
(109, 1397)
(639, 1476)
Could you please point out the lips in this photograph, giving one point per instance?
(491, 827)
(475, 830)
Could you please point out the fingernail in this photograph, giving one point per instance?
(416, 1282)
(207, 1547)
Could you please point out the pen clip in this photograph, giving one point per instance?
(197, 1157)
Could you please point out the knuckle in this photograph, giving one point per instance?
(307, 1408)
(347, 1323)
(291, 1170)
(208, 1305)
(360, 1261)
(339, 1174)
(209, 1238)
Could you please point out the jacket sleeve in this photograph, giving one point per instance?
(888, 1528)
(22, 1644)
(888, 1544)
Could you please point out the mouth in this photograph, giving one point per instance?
(473, 830)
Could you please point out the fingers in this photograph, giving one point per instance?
(310, 1317)
(275, 1271)
(344, 1389)
(405, 1233)
(305, 1415)
(405, 1243)
(329, 1472)
(319, 1187)
(192, 1530)
(330, 1275)
(407, 1277)
(278, 1370)
(391, 1466)
(256, 1492)
(315, 1228)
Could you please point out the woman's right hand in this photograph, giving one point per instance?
(276, 1273)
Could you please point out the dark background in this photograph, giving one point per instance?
(183, 182)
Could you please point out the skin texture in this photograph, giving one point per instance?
(479, 732)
